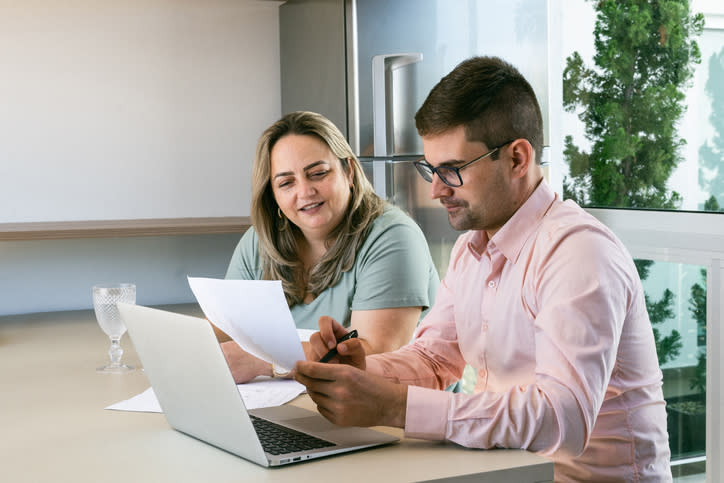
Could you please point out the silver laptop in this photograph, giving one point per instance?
(197, 393)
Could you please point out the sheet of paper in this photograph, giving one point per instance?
(261, 393)
(254, 313)
(305, 334)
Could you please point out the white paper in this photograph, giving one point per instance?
(305, 334)
(146, 401)
(261, 393)
(255, 314)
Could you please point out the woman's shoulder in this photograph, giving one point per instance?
(244, 263)
(247, 252)
(249, 242)
(392, 217)
(250, 235)
(394, 226)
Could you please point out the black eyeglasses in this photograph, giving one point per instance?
(448, 174)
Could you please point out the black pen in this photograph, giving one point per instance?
(333, 352)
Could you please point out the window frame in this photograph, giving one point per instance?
(693, 238)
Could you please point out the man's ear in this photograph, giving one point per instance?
(522, 155)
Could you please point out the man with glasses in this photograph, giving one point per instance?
(540, 298)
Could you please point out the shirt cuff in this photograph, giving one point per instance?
(427, 413)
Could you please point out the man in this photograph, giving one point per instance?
(540, 298)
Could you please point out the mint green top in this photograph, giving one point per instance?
(393, 268)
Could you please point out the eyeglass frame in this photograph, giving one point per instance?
(423, 167)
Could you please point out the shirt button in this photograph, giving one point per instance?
(491, 284)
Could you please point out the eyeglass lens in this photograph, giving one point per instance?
(448, 175)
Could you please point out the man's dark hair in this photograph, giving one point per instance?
(490, 98)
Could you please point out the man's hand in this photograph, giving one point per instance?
(244, 366)
(350, 352)
(344, 393)
(349, 396)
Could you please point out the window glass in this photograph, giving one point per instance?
(676, 295)
(700, 176)
(696, 183)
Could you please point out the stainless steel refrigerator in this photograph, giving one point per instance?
(368, 65)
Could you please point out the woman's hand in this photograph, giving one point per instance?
(244, 366)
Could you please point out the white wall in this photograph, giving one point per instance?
(133, 109)
(164, 99)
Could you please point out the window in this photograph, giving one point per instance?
(683, 246)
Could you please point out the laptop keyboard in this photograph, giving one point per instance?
(277, 439)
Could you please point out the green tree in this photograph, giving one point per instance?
(667, 347)
(697, 307)
(711, 156)
(629, 103)
(712, 204)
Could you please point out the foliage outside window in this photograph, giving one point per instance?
(631, 101)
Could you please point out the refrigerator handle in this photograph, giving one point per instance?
(382, 67)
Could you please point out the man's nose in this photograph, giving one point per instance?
(438, 189)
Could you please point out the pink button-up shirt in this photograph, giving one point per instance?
(551, 314)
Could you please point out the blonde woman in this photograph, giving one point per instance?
(339, 249)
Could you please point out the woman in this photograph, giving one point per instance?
(339, 249)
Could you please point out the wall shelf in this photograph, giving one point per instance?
(123, 228)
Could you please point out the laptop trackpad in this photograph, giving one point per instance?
(313, 424)
(297, 418)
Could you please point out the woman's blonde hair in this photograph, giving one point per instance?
(278, 248)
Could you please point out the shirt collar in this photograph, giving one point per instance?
(512, 235)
